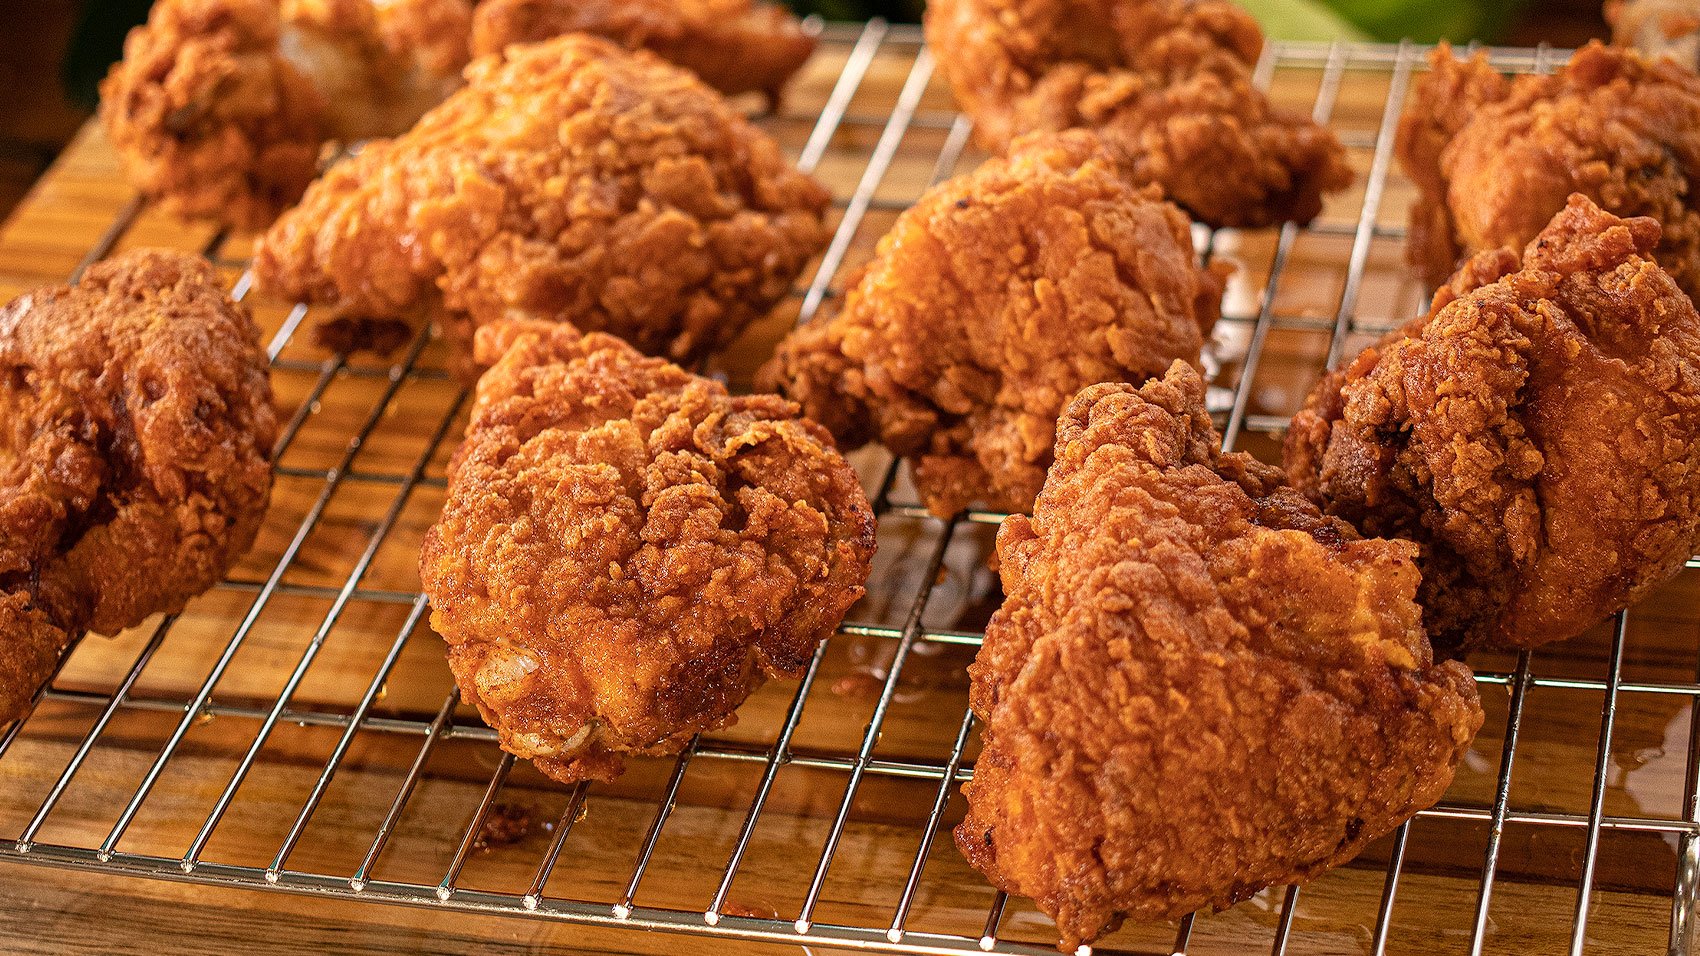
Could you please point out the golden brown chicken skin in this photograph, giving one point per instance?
(1198, 685)
(220, 109)
(1537, 432)
(735, 46)
(1494, 159)
(627, 551)
(991, 302)
(136, 428)
(569, 180)
(1167, 82)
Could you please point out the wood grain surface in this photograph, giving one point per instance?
(48, 910)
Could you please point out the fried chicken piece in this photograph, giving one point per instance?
(570, 180)
(1198, 686)
(1537, 432)
(220, 109)
(1495, 159)
(136, 427)
(1167, 82)
(627, 552)
(735, 46)
(991, 302)
(1656, 27)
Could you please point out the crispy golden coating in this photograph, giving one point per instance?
(735, 46)
(136, 428)
(991, 302)
(1495, 159)
(1198, 686)
(1538, 433)
(220, 108)
(1167, 82)
(570, 180)
(626, 551)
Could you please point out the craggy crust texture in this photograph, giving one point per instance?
(220, 108)
(570, 180)
(1167, 82)
(136, 427)
(626, 551)
(1495, 159)
(1198, 686)
(1538, 433)
(990, 303)
(735, 46)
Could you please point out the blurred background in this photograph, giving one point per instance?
(54, 52)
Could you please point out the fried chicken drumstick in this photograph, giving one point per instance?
(136, 427)
(1495, 159)
(569, 180)
(1537, 432)
(735, 46)
(1198, 685)
(991, 302)
(220, 108)
(627, 552)
(1167, 82)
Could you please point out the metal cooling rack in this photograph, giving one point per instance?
(854, 127)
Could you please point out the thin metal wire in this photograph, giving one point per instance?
(777, 757)
(871, 736)
(1685, 900)
(623, 908)
(118, 696)
(356, 721)
(1326, 93)
(1590, 852)
(884, 152)
(1390, 889)
(305, 529)
(1284, 928)
(435, 733)
(379, 535)
(1183, 934)
(1501, 801)
(570, 816)
(474, 827)
(1397, 87)
(940, 799)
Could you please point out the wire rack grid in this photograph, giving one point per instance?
(295, 729)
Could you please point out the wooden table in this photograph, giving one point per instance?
(84, 911)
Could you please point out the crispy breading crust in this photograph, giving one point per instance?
(570, 180)
(1495, 159)
(735, 46)
(220, 109)
(990, 303)
(207, 118)
(1168, 83)
(136, 427)
(626, 551)
(1538, 432)
(1198, 686)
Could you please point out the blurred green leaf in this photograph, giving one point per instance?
(1430, 20)
(1302, 20)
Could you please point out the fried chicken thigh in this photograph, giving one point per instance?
(1537, 432)
(990, 303)
(571, 181)
(136, 427)
(1495, 159)
(627, 552)
(1168, 83)
(1198, 685)
(220, 109)
(735, 46)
